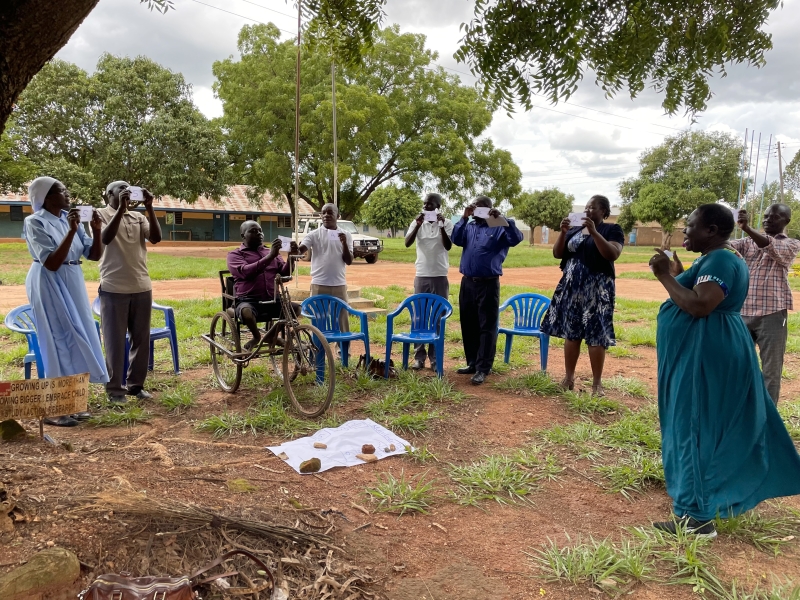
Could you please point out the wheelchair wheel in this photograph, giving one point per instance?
(225, 333)
(277, 361)
(309, 373)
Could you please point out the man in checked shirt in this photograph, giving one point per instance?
(769, 256)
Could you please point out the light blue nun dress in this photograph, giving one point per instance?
(65, 327)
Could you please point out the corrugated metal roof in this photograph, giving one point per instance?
(235, 201)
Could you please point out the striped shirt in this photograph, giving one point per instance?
(769, 266)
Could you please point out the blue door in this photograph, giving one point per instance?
(220, 226)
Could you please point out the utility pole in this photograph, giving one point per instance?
(296, 224)
(780, 169)
(335, 138)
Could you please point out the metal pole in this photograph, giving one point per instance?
(755, 169)
(297, 137)
(741, 171)
(780, 169)
(764, 185)
(335, 138)
(749, 164)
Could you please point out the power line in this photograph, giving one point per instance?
(242, 16)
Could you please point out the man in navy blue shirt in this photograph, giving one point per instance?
(485, 249)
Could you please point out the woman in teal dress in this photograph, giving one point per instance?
(725, 447)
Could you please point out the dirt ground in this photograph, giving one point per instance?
(454, 552)
(381, 274)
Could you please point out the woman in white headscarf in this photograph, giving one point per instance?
(65, 327)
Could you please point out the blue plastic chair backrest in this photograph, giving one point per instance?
(323, 310)
(528, 310)
(21, 320)
(426, 311)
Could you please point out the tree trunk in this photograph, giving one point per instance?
(31, 32)
(666, 239)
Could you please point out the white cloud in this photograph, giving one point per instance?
(584, 146)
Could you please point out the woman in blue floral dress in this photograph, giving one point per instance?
(582, 307)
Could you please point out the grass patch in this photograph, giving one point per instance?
(640, 336)
(628, 386)
(177, 399)
(118, 416)
(586, 403)
(504, 479)
(402, 495)
(622, 352)
(790, 411)
(422, 454)
(637, 275)
(537, 383)
(768, 534)
(633, 473)
(409, 405)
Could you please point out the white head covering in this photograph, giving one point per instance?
(38, 189)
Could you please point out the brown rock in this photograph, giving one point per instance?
(367, 449)
(320, 445)
(49, 574)
(11, 430)
(312, 465)
(367, 457)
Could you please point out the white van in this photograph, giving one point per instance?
(364, 246)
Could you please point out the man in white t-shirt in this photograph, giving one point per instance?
(432, 234)
(331, 252)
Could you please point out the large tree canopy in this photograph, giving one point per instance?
(132, 119)
(398, 119)
(542, 207)
(517, 47)
(393, 208)
(683, 172)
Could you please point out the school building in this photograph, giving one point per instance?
(204, 220)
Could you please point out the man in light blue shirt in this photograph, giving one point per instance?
(485, 249)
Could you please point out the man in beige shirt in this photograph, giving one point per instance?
(126, 294)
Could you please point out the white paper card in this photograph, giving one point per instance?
(333, 234)
(735, 212)
(286, 243)
(136, 193)
(481, 212)
(431, 215)
(86, 213)
(668, 253)
(576, 219)
(343, 443)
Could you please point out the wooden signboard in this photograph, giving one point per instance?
(39, 398)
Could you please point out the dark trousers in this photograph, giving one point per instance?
(120, 314)
(769, 332)
(429, 285)
(479, 301)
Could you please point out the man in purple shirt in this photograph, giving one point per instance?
(254, 269)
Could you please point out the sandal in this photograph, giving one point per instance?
(567, 384)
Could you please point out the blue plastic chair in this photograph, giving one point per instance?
(429, 314)
(21, 320)
(529, 310)
(324, 311)
(169, 332)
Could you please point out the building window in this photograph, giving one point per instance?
(251, 218)
(16, 213)
(285, 222)
(178, 218)
(366, 228)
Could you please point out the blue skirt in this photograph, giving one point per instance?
(582, 307)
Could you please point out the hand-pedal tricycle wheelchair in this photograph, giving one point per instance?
(299, 353)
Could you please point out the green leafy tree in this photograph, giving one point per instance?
(15, 169)
(132, 119)
(791, 173)
(757, 202)
(542, 207)
(391, 207)
(518, 49)
(675, 177)
(399, 120)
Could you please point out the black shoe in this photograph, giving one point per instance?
(478, 378)
(417, 365)
(468, 370)
(117, 399)
(81, 416)
(690, 526)
(62, 421)
(433, 367)
(140, 394)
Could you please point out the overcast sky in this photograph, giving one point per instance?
(585, 146)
